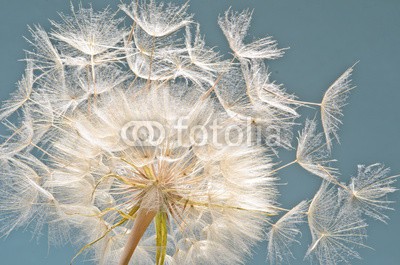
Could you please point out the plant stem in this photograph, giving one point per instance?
(142, 222)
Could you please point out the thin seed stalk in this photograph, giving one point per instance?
(162, 237)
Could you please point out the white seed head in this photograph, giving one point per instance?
(142, 146)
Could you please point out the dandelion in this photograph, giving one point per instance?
(284, 232)
(157, 19)
(332, 104)
(20, 96)
(369, 189)
(87, 32)
(335, 227)
(235, 26)
(139, 145)
(312, 153)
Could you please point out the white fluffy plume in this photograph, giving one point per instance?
(235, 26)
(332, 105)
(284, 232)
(336, 228)
(312, 153)
(158, 19)
(369, 189)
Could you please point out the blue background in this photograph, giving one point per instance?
(325, 37)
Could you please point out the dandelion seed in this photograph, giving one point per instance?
(283, 234)
(259, 87)
(21, 96)
(369, 189)
(238, 94)
(335, 227)
(45, 57)
(89, 32)
(206, 59)
(24, 199)
(235, 26)
(16, 142)
(332, 104)
(312, 153)
(158, 20)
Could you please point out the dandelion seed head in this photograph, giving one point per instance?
(131, 139)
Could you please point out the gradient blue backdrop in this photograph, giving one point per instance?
(325, 37)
